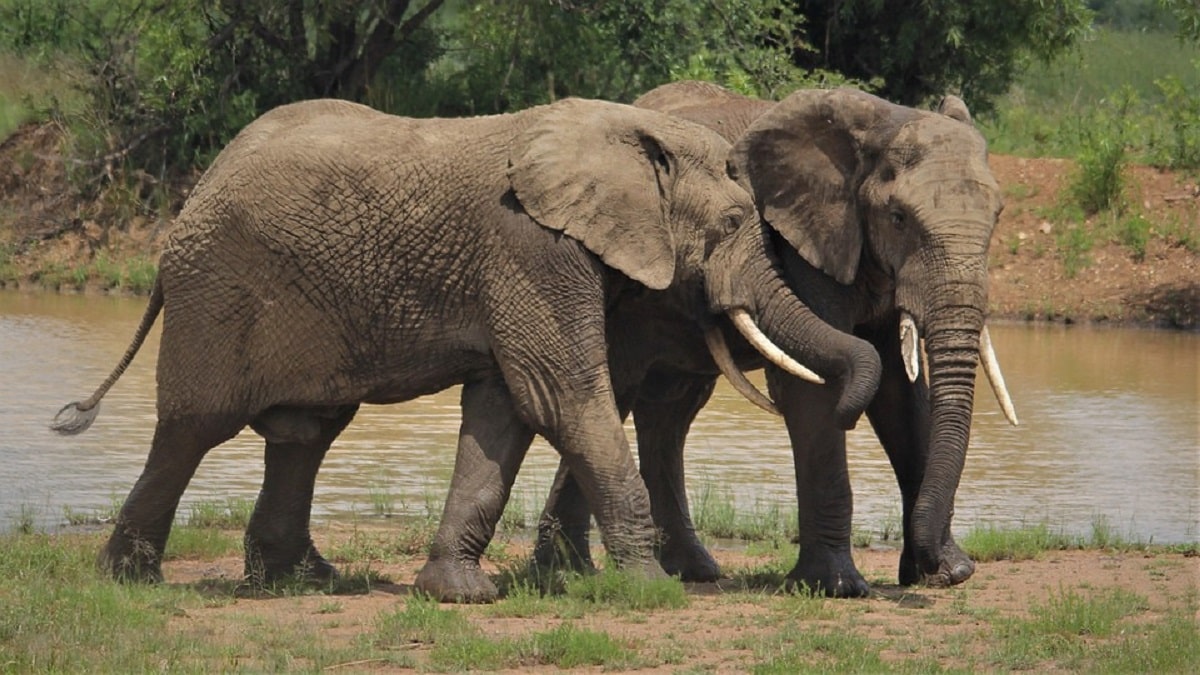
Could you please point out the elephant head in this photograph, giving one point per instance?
(570, 173)
(890, 198)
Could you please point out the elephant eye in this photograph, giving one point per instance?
(898, 219)
(732, 222)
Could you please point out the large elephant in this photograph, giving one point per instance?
(881, 215)
(333, 255)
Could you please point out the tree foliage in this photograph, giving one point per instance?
(918, 49)
(1187, 17)
(168, 82)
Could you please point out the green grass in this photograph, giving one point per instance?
(1054, 110)
(1065, 628)
(459, 645)
(232, 514)
(828, 651)
(987, 542)
(715, 514)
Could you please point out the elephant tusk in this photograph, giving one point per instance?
(909, 342)
(991, 368)
(757, 339)
(724, 360)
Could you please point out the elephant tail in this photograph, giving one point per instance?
(76, 417)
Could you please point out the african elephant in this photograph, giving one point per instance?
(881, 215)
(333, 256)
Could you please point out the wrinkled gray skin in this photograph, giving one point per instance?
(333, 256)
(875, 209)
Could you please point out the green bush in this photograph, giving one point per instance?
(1179, 148)
(1099, 177)
(1076, 242)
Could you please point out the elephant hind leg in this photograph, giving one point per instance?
(278, 543)
(662, 423)
(562, 538)
(135, 549)
(491, 445)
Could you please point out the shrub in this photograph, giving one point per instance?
(1099, 177)
(1181, 149)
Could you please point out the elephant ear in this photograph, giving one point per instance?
(803, 159)
(601, 173)
(955, 108)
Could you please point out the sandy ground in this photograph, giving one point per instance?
(721, 622)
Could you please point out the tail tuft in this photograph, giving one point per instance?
(73, 420)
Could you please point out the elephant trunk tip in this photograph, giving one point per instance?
(861, 381)
(74, 419)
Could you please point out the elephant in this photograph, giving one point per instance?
(333, 255)
(881, 215)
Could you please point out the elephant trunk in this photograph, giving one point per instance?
(952, 331)
(756, 284)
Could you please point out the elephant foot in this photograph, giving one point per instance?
(643, 569)
(264, 566)
(449, 580)
(129, 559)
(952, 567)
(558, 549)
(830, 572)
(688, 560)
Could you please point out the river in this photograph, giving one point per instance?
(1108, 435)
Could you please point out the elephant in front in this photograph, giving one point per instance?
(333, 256)
(881, 216)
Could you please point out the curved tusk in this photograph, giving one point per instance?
(909, 342)
(720, 353)
(991, 368)
(745, 325)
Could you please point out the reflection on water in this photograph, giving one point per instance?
(1108, 431)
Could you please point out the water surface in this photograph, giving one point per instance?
(1108, 434)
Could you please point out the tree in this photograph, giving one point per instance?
(509, 54)
(1187, 15)
(918, 49)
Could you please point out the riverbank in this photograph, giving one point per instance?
(1048, 262)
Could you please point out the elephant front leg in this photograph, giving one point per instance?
(662, 418)
(593, 445)
(899, 414)
(825, 502)
(491, 445)
(278, 543)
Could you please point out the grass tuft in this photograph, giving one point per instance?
(232, 514)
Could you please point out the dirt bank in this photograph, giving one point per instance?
(1041, 270)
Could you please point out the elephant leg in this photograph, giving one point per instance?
(662, 424)
(823, 493)
(562, 539)
(593, 445)
(662, 420)
(135, 549)
(491, 445)
(899, 414)
(278, 543)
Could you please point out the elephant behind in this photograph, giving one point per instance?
(333, 256)
(881, 216)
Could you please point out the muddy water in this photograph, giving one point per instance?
(1108, 434)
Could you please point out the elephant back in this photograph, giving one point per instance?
(726, 112)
